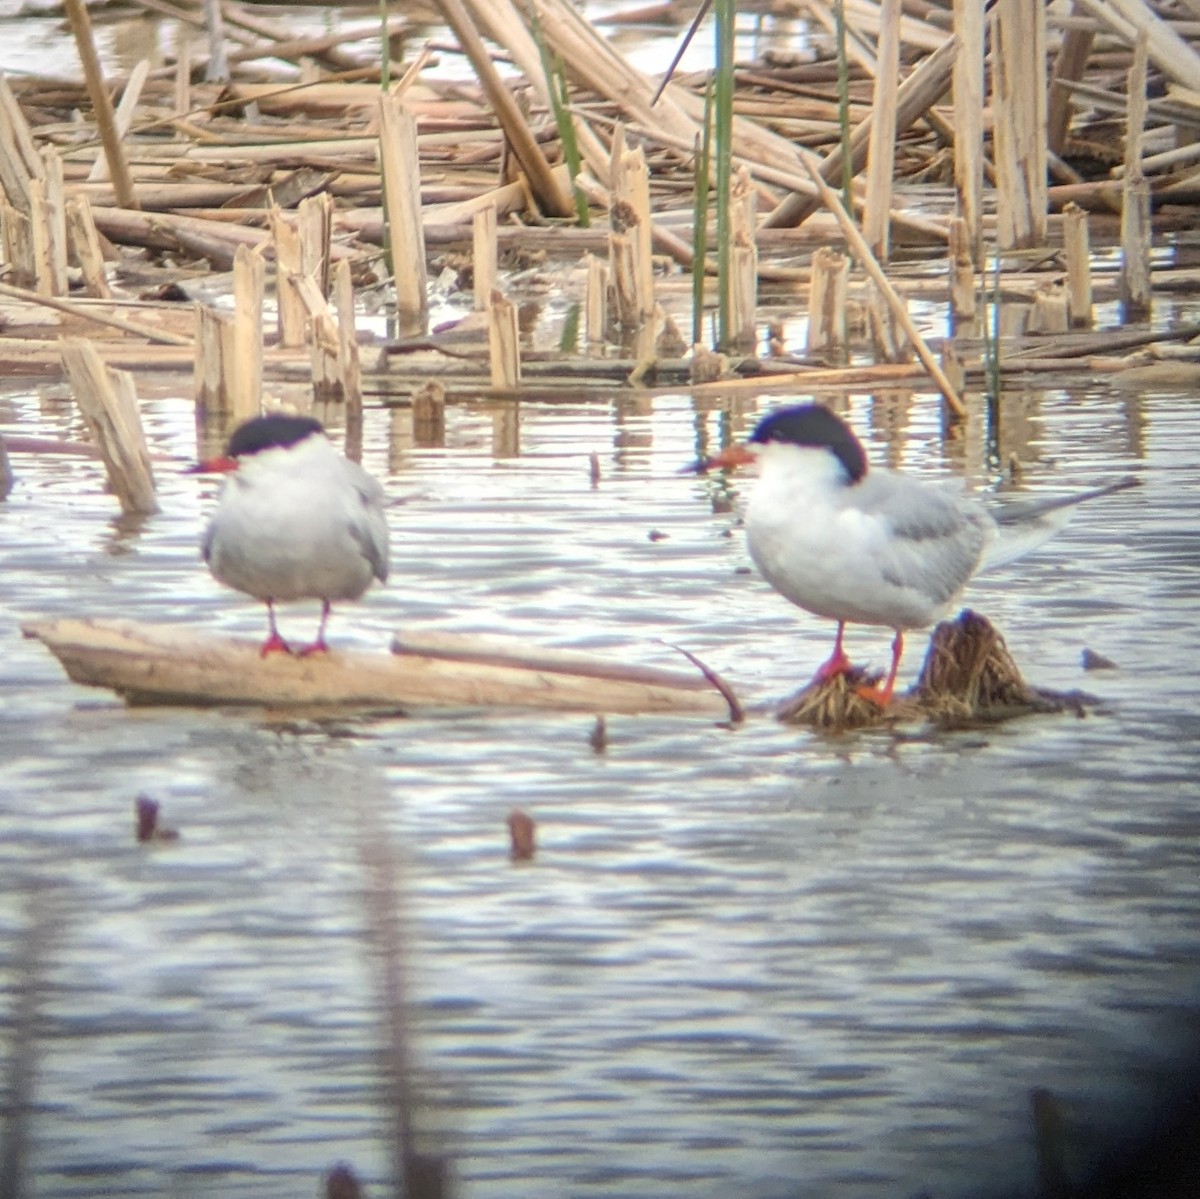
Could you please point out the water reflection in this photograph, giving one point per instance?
(748, 961)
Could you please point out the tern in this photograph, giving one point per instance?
(870, 546)
(296, 520)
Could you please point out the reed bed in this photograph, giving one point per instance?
(998, 163)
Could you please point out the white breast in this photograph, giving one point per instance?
(887, 550)
(299, 523)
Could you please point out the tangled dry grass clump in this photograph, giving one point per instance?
(968, 677)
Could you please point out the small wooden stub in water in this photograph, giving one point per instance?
(968, 677)
(175, 664)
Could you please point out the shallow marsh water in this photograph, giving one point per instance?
(750, 961)
(753, 961)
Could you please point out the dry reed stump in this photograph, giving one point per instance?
(968, 677)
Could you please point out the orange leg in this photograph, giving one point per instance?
(319, 646)
(274, 644)
(883, 695)
(837, 663)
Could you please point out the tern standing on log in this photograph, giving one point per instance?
(296, 520)
(866, 546)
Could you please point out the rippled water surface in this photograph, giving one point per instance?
(750, 961)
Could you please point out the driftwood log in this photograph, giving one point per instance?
(174, 664)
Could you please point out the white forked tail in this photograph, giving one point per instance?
(1023, 527)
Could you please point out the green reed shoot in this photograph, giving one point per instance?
(843, 92)
(700, 216)
(726, 13)
(560, 103)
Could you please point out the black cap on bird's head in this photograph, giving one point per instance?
(276, 430)
(813, 426)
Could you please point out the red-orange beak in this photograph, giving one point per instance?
(213, 466)
(730, 458)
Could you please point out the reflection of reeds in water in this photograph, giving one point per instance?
(418, 1175)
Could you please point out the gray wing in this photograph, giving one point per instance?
(935, 536)
(368, 524)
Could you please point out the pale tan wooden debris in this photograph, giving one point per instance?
(17, 232)
(110, 138)
(504, 347)
(19, 160)
(631, 262)
(149, 663)
(967, 95)
(402, 200)
(249, 274)
(85, 313)
(322, 339)
(83, 245)
(48, 229)
(1136, 228)
(1077, 251)
(1050, 310)
(289, 308)
(1018, 38)
(484, 255)
(108, 401)
(1069, 64)
(1131, 19)
(123, 117)
(551, 197)
(595, 300)
(881, 153)
(961, 258)
(895, 302)
(316, 234)
(743, 293)
(827, 305)
(349, 368)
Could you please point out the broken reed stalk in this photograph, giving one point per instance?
(1077, 252)
(1019, 140)
(402, 193)
(843, 100)
(542, 181)
(743, 297)
(631, 260)
(484, 256)
(19, 159)
(402, 197)
(249, 275)
(701, 184)
(349, 369)
(503, 344)
(1136, 231)
(289, 309)
(967, 96)
(863, 252)
(48, 227)
(962, 271)
(881, 153)
(827, 305)
(110, 138)
(83, 243)
(123, 117)
(595, 304)
(108, 401)
(726, 16)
